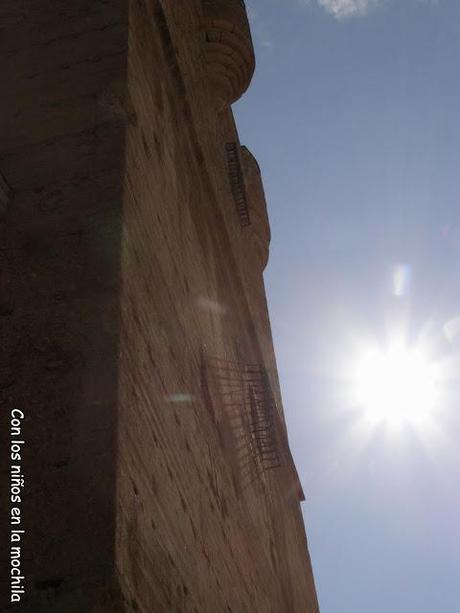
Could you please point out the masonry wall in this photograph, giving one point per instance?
(184, 505)
(127, 277)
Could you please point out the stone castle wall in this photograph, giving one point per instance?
(134, 326)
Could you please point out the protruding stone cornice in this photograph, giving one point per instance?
(259, 227)
(229, 50)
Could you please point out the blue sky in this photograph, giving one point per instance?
(354, 117)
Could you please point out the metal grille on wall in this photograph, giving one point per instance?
(242, 404)
(263, 414)
(237, 183)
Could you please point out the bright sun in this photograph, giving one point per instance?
(395, 386)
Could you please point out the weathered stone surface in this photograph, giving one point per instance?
(125, 270)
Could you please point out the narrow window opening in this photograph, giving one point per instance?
(6, 195)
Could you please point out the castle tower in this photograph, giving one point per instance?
(134, 326)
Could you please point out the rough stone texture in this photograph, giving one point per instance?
(126, 272)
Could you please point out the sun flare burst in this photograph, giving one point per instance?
(398, 385)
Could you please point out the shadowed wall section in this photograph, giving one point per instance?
(63, 123)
